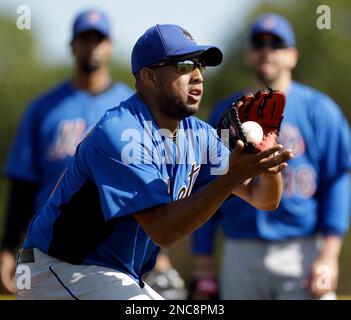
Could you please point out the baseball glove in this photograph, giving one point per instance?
(266, 107)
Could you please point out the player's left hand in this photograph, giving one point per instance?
(324, 276)
(266, 108)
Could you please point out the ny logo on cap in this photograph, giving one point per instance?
(269, 23)
(187, 34)
(93, 17)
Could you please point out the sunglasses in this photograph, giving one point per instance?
(185, 66)
(274, 44)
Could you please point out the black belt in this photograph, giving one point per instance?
(25, 256)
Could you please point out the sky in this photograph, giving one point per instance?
(51, 21)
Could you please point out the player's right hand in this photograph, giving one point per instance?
(244, 166)
(7, 270)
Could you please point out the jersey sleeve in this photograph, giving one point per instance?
(125, 188)
(21, 162)
(334, 189)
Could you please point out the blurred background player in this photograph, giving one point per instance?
(53, 125)
(292, 252)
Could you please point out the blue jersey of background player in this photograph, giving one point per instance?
(128, 189)
(51, 129)
(316, 196)
(54, 124)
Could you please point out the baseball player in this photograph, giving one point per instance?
(127, 190)
(292, 252)
(52, 127)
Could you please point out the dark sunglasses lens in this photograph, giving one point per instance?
(274, 44)
(185, 66)
(189, 66)
(201, 67)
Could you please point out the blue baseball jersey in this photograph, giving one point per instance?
(316, 195)
(125, 165)
(50, 130)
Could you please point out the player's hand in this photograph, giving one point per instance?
(7, 270)
(324, 276)
(243, 165)
(266, 108)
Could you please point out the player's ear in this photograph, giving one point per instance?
(148, 77)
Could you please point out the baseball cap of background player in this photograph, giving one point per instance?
(276, 25)
(91, 19)
(170, 42)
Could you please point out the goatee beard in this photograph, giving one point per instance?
(176, 110)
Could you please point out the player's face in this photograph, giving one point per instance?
(179, 90)
(91, 50)
(270, 58)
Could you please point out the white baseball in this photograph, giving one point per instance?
(253, 131)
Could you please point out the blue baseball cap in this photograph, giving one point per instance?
(170, 42)
(276, 25)
(91, 19)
